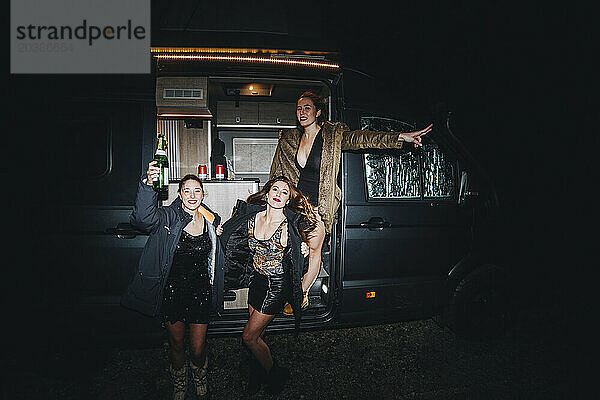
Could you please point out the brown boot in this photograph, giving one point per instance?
(199, 378)
(287, 310)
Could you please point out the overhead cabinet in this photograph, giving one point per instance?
(277, 114)
(245, 113)
(256, 113)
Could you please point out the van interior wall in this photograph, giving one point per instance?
(193, 148)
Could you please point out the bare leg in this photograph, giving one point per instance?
(197, 343)
(315, 243)
(176, 334)
(252, 337)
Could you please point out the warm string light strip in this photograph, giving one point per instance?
(199, 57)
(214, 50)
(232, 51)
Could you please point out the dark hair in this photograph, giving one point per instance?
(298, 202)
(320, 104)
(187, 178)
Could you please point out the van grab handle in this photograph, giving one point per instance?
(375, 224)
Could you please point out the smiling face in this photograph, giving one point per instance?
(278, 195)
(191, 195)
(306, 112)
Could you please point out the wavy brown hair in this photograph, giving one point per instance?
(298, 203)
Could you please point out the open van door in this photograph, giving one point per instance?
(403, 228)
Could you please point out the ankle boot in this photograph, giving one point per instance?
(256, 377)
(179, 380)
(199, 378)
(276, 378)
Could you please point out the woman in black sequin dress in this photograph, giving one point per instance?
(187, 294)
(178, 274)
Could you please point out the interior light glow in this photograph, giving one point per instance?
(370, 295)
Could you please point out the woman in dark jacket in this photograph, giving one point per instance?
(263, 251)
(180, 273)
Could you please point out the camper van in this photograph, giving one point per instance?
(413, 237)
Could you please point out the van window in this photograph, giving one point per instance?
(438, 171)
(406, 173)
(392, 176)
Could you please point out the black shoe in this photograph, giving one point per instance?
(256, 377)
(277, 378)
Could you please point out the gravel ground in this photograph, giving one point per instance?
(408, 360)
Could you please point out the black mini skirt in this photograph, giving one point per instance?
(268, 294)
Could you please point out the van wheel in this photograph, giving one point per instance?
(481, 306)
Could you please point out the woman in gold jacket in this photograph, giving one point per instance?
(310, 157)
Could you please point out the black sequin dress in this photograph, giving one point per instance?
(187, 294)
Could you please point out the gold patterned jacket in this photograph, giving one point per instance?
(336, 137)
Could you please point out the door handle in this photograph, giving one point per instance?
(375, 224)
(124, 230)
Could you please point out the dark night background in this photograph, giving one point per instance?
(503, 71)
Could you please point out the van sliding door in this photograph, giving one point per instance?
(402, 231)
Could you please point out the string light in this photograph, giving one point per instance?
(309, 59)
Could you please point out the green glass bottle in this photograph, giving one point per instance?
(162, 183)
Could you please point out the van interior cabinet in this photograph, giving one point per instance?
(277, 114)
(256, 113)
(237, 113)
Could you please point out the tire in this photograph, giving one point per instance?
(481, 305)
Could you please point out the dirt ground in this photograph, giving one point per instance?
(408, 360)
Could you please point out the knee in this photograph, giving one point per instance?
(317, 236)
(249, 338)
(320, 230)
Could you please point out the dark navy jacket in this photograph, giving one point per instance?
(164, 224)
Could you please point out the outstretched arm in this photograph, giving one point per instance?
(356, 140)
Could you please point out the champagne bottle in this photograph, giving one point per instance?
(162, 183)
